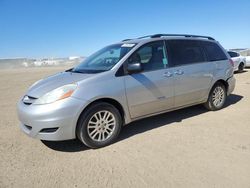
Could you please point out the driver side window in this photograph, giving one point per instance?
(152, 56)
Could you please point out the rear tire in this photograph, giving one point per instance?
(217, 97)
(99, 125)
(241, 67)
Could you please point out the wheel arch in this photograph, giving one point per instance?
(223, 82)
(111, 101)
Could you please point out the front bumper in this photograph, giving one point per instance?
(59, 117)
(231, 85)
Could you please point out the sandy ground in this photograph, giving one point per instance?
(185, 148)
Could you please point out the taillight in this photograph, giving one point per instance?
(231, 62)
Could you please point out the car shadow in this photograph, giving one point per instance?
(65, 146)
(165, 119)
(237, 72)
(141, 126)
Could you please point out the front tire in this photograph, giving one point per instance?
(217, 97)
(99, 125)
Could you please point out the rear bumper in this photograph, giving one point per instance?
(231, 85)
(247, 64)
(55, 121)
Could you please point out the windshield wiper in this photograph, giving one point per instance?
(74, 71)
(69, 70)
(84, 71)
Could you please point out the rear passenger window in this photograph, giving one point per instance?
(214, 52)
(183, 52)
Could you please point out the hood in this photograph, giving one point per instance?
(52, 82)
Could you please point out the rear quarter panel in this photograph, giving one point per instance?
(223, 71)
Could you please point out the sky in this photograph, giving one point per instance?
(62, 28)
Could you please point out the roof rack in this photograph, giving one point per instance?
(126, 40)
(172, 35)
(180, 35)
(147, 36)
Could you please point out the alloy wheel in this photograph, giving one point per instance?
(101, 125)
(218, 96)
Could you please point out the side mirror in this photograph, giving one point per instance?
(134, 67)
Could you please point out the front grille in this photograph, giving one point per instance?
(28, 100)
(28, 127)
(49, 130)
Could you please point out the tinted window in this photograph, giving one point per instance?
(214, 52)
(233, 54)
(185, 52)
(152, 56)
(145, 54)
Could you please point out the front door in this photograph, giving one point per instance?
(150, 91)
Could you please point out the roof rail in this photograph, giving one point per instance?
(175, 35)
(172, 35)
(147, 36)
(181, 35)
(126, 40)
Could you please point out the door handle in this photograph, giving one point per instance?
(179, 72)
(167, 74)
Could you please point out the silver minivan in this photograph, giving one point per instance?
(124, 82)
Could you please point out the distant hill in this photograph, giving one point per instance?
(25, 62)
(243, 52)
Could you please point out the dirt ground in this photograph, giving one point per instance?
(186, 148)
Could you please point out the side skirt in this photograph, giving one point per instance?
(169, 110)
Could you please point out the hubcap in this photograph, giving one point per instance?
(218, 96)
(101, 125)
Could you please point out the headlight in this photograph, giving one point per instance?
(57, 94)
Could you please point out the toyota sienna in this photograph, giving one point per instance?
(124, 82)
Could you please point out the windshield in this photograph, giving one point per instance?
(103, 59)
